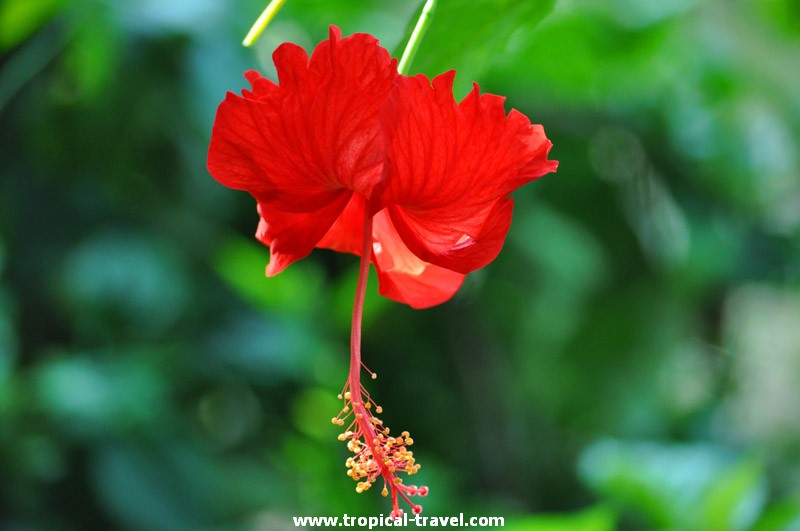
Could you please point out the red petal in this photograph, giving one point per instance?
(402, 276)
(461, 238)
(296, 145)
(405, 278)
(347, 232)
(292, 236)
(451, 167)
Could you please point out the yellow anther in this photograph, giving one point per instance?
(379, 410)
(347, 395)
(373, 457)
(334, 420)
(339, 396)
(374, 375)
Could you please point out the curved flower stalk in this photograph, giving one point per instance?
(347, 154)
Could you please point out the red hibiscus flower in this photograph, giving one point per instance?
(346, 154)
(343, 135)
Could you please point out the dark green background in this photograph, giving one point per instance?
(630, 361)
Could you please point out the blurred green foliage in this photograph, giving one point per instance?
(630, 361)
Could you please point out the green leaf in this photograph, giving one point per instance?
(736, 498)
(19, 19)
(294, 291)
(598, 518)
(678, 486)
(312, 411)
(660, 482)
(781, 516)
(466, 35)
(87, 397)
(93, 56)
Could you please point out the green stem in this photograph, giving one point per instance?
(416, 37)
(262, 22)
